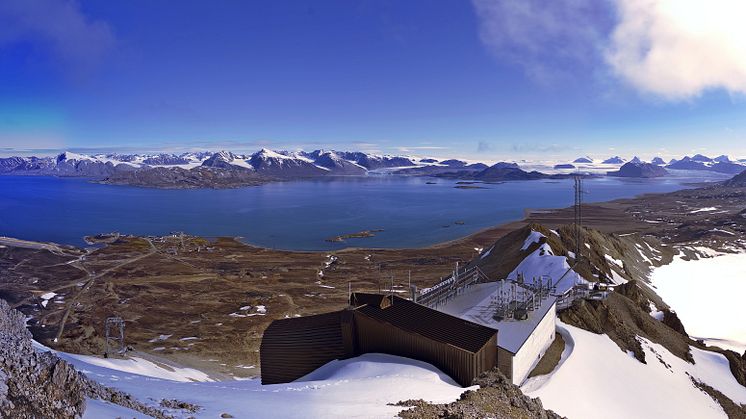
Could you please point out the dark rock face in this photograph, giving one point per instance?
(639, 170)
(41, 385)
(671, 319)
(496, 398)
(32, 384)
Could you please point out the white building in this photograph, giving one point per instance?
(520, 343)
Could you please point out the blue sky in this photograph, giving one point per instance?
(491, 80)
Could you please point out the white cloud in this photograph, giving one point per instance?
(409, 149)
(678, 49)
(673, 49)
(59, 26)
(547, 38)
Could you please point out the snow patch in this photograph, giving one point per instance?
(708, 209)
(533, 237)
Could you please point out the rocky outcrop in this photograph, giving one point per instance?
(639, 170)
(671, 319)
(37, 384)
(33, 384)
(496, 398)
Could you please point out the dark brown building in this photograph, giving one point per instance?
(292, 348)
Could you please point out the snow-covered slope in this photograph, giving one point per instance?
(543, 263)
(595, 379)
(707, 294)
(357, 387)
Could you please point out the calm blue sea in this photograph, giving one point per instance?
(291, 215)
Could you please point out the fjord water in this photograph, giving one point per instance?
(296, 215)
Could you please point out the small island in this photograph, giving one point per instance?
(359, 235)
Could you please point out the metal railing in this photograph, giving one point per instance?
(451, 286)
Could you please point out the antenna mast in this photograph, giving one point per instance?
(578, 215)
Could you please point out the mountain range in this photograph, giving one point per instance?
(227, 169)
(265, 162)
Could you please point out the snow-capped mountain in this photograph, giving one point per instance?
(614, 160)
(374, 162)
(700, 162)
(267, 162)
(227, 160)
(272, 165)
(279, 165)
(701, 158)
(331, 161)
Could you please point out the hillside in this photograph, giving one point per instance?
(179, 178)
(737, 181)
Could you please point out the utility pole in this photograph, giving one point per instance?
(116, 325)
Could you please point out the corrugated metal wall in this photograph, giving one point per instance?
(292, 348)
(505, 362)
(463, 366)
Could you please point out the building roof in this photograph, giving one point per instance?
(475, 305)
(424, 321)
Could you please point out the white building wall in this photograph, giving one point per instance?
(535, 346)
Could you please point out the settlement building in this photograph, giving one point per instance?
(524, 318)
(294, 347)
